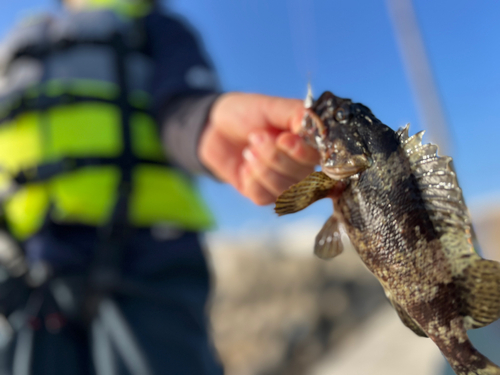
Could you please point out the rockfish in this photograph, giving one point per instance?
(400, 204)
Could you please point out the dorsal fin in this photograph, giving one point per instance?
(402, 133)
(443, 197)
(479, 279)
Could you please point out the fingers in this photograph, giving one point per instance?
(263, 126)
(251, 187)
(222, 157)
(291, 161)
(297, 149)
(284, 114)
(270, 164)
(271, 180)
(270, 170)
(238, 114)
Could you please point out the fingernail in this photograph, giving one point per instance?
(248, 155)
(256, 139)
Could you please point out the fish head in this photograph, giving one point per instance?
(331, 126)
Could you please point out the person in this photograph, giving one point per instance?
(105, 112)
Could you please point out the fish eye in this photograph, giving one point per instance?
(340, 115)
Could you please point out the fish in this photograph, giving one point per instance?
(400, 205)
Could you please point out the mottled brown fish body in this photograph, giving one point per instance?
(405, 215)
(401, 248)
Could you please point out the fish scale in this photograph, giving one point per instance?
(403, 210)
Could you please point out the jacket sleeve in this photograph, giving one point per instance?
(184, 88)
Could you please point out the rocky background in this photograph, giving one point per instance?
(277, 309)
(278, 313)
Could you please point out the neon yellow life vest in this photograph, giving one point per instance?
(129, 8)
(75, 132)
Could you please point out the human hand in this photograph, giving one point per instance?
(249, 142)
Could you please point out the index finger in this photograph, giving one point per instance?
(297, 149)
(284, 114)
(237, 115)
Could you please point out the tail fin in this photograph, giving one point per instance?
(481, 293)
(489, 369)
(463, 358)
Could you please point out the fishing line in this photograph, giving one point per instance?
(303, 35)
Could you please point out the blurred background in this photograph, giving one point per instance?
(276, 309)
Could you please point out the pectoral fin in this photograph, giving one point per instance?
(481, 292)
(314, 187)
(328, 241)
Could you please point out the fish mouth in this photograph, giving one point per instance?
(341, 172)
(348, 168)
(311, 122)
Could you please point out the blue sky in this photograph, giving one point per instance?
(275, 47)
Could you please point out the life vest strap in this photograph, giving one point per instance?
(46, 171)
(41, 103)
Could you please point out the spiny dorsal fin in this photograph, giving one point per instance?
(478, 278)
(402, 133)
(442, 195)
